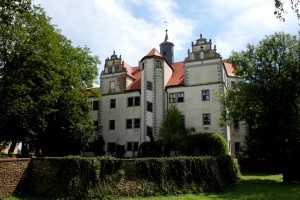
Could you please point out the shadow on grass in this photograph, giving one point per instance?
(262, 189)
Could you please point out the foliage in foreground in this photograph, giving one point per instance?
(101, 177)
(251, 187)
(269, 101)
(42, 82)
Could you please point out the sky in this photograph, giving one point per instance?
(132, 28)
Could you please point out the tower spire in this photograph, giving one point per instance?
(166, 37)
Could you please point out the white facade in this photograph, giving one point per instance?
(134, 99)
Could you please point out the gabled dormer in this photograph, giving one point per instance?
(113, 76)
(202, 50)
(114, 64)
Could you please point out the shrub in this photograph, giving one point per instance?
(195, 174)
(205, 144)
(150, 149)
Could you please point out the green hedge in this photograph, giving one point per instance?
(205, 144)
(71, 177)
(192, 174)
(96, 178)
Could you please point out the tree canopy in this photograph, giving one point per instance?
(269, 99)
(280, 10)
(173, 129)
(42, 82)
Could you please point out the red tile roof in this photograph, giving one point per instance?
(153, 52)
(136, 84)
(177, 77)
(230, 68)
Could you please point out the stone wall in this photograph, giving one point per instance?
(11, 171)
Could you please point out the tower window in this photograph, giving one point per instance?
(109, 70)
(149, 107)
(95, 105)
(111, 86)
(149, 85)
(158, 64)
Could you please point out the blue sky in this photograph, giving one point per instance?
(132, 28)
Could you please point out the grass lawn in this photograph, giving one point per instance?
(251, 186)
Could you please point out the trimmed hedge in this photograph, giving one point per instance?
(102, 177)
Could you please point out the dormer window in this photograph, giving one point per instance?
(158, 64)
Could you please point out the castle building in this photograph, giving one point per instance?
(135, 99)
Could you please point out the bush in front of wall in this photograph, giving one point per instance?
(188, 174)
(71, 177)
(103, 177)
(205, 144)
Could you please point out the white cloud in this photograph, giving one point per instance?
(133, 27)
(248, 22)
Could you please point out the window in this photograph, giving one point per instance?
(109, 70)
(111, 124)
(172, 98)
(129, 146)
(149, 85)
(130, 101)
(143, 66)
(180, 96)
(128, 123)
(233, 84)
(176, 97)
(205, 95)
(133, 101)
(95, 105)
(149, 107)
(132, 146)
(206, 119)
(116, 69)
(137, 123)
(237, 146)
(111, 147)
(158, 64)
(137, 101)
(135, 146)
(111, 86)
(113, 103)
(149, 131)
(236, 125)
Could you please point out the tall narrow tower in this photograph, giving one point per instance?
(167, 49)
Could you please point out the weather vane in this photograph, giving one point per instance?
(166, 24)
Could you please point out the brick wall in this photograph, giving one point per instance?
(11, 171)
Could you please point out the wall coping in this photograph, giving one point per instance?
(14, 159)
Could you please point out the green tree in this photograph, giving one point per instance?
(269, 100)
(279, 8)
(42, 81)
(173, 129)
